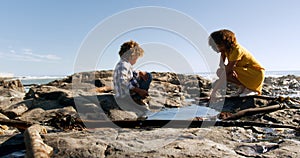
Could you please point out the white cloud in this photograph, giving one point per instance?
(27, 50)
(29, 55)
(52, 57)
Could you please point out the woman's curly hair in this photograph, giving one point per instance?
(129, 49)
(222, 37)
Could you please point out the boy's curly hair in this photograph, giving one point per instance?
(129, 49)
(222, 37)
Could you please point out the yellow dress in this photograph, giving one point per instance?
(250, 73)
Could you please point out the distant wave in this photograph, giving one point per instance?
(6, 74)
(40, 77)
(28, 81)
(207, 75)
(212, 75)
(282, 73)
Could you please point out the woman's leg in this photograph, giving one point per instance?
(232, 77)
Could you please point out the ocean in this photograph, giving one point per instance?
(213, 76)
(27, 81)
(282, 73)
(37, 80)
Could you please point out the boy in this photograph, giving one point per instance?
(131, 87)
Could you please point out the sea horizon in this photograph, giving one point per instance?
(267, 73)
(44, 79)
(210, 75)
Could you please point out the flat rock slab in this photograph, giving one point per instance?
(162, 142)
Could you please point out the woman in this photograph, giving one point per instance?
(242, 68)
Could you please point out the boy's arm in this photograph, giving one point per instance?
(143, 93)
(122, 77)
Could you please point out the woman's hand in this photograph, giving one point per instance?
(235, 75)
(221, 72)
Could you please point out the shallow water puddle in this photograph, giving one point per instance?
(184, 113)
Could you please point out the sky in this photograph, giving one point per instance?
(60, 37)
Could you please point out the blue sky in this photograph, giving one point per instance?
(40, 38)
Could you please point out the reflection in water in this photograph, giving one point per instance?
(184, 113)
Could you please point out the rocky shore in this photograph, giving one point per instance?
(48, 120)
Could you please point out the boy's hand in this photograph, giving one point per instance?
(143, 93)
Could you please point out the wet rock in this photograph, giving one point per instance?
(11, 143)
(286, 116)
(165, 88)
(166, 77)
(11, 92)
(233, 104)
(261, 102)
(91, 107)
(254, 149)
(60, 103)
(107, 102)
(39, 115)
(85, 80)
(288, 148)
(3, 116)
(18, 109)
(47, 93)
(285, 85)
(9, 96)
(141, 143)
(13, 84)
(35, 115)
(47, 104)
(80, 144)
(173, 103)
(115, 115)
